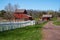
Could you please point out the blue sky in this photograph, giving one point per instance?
(33, 4)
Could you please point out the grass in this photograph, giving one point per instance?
(54, 18)
(56, 22)
(27, 33)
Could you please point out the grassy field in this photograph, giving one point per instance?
(54, 18)
(27, 33)
(56, 22)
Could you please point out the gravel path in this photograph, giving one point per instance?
(51, 32)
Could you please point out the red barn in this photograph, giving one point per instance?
(21, 14)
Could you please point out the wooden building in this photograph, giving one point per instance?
(46, 17)
(22, 15)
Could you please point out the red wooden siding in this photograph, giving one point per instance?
(22, 14)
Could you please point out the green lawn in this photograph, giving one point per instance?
(56, 22)
(54, 18)
(27, 33)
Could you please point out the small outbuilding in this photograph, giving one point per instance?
(46, 17)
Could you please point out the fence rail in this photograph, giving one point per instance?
(13, 25)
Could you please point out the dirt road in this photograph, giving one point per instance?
(51, 32)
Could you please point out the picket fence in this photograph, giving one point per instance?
(13, 25)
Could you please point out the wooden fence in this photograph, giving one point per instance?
(13, 25)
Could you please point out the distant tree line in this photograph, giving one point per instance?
(7, 13)
(38, 14)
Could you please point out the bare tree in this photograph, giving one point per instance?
(15, 7)
(9, 11)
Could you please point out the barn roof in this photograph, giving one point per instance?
(20, 10)
(28, 15)
(47, 16)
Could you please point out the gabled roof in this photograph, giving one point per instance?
(28, 15)
(20, 10)
(47, 15)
